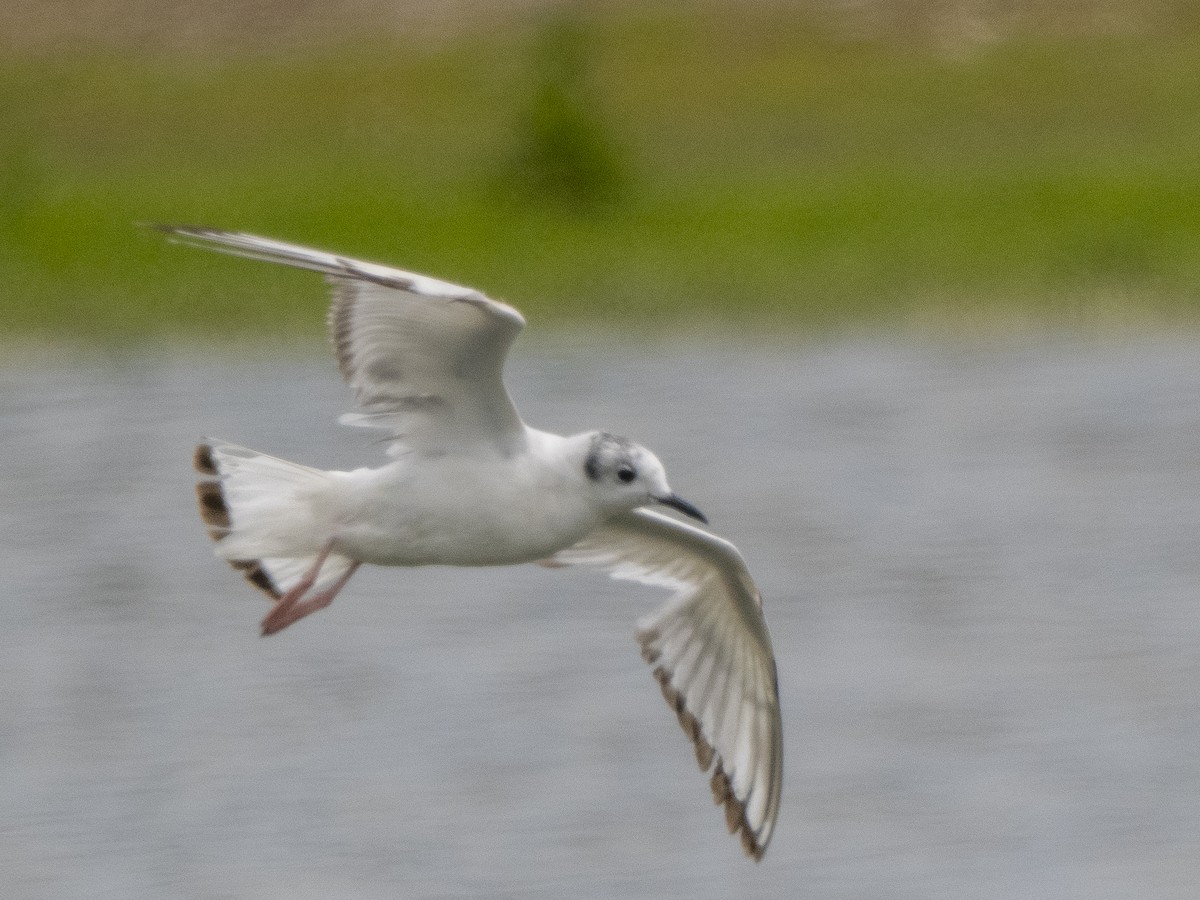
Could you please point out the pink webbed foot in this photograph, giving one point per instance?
(291, 608)
(283, 615)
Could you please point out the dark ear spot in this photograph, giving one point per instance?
(591, 465)
(606, 448)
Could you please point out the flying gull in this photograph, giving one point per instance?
(470, 484)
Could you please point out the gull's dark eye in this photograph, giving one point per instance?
(626, 474)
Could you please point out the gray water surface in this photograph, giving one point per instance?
(980, 569)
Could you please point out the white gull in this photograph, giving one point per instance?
(470, 484)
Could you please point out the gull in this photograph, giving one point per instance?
(470, 484)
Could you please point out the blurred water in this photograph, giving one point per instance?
(980, 571)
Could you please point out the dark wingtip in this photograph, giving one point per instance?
(254, 573)
(213, 510)
(170, 228)
(192, 235)
(735, 813)
(722, 788)
(174, 231)
(203, 462)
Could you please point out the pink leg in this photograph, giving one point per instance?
(280, 618)
(301, 587)
(286, 603)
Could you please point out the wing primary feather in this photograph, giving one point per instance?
(423, 357)
(710, 652)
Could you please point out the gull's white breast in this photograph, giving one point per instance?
(463, 510)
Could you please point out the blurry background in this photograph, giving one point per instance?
(952, 164)
(903, 293)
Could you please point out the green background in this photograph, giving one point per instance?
(683, 165)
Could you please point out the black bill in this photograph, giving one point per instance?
(676, 502)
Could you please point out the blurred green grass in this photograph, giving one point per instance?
(748, 168)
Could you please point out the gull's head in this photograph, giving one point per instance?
(626, 475)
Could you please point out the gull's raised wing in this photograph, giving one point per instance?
(423, 357)
(711, 654)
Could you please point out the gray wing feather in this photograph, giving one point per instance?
(423, 357)
(711, 654)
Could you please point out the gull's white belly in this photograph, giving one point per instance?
(457, 512)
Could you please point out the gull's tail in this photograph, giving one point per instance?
(264, 514)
